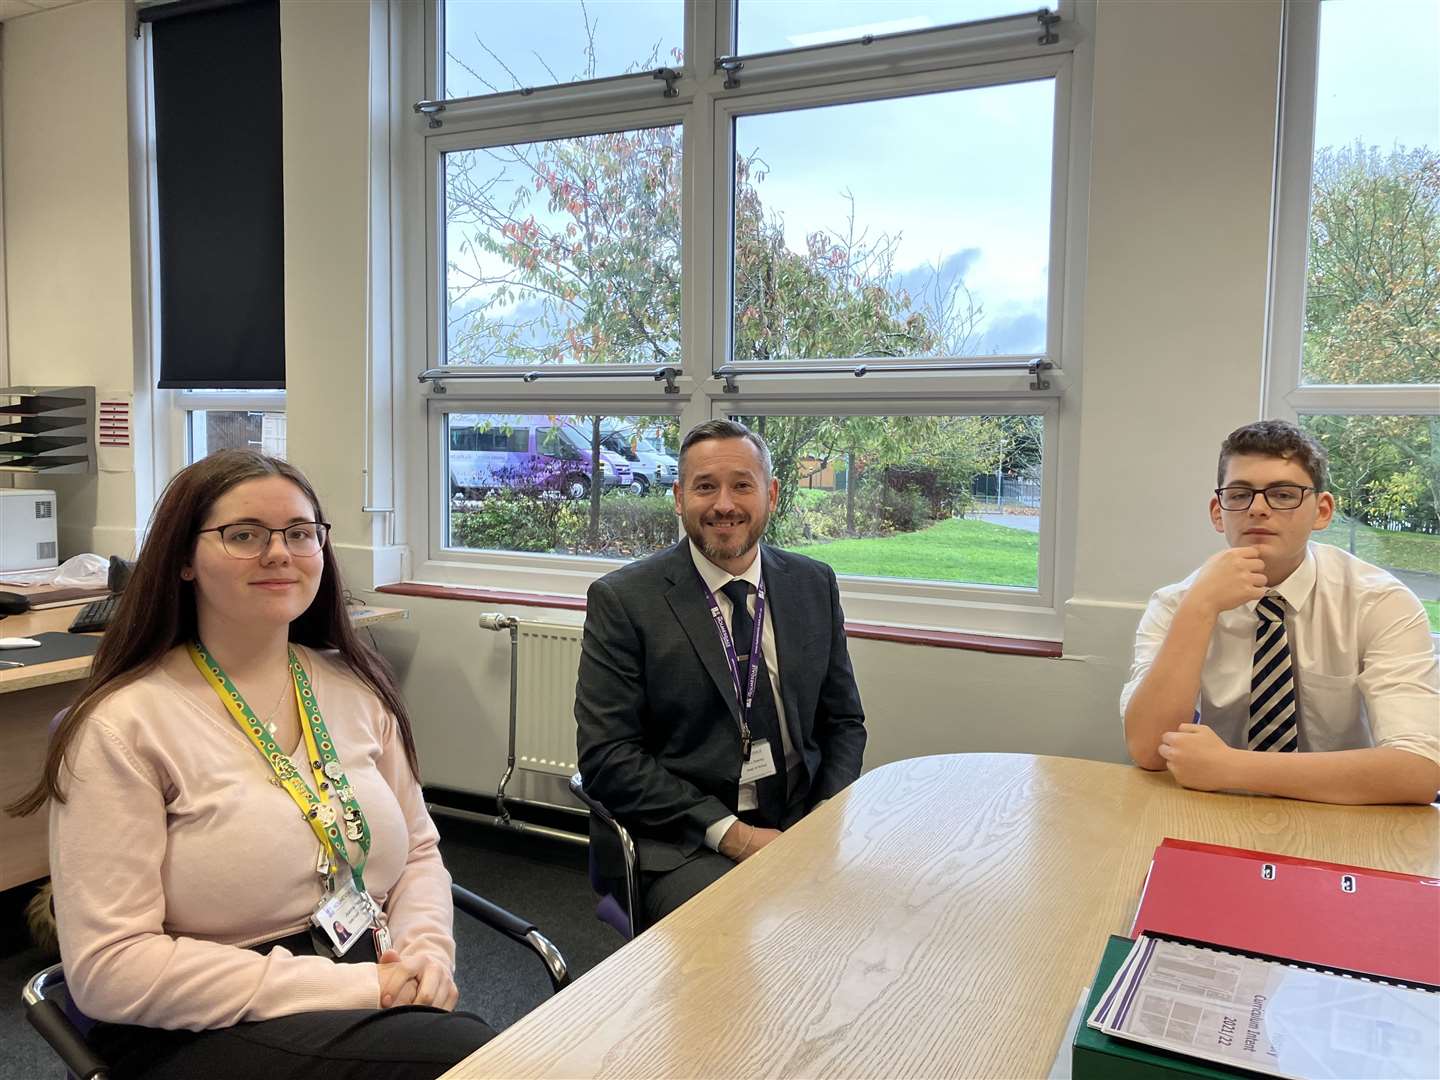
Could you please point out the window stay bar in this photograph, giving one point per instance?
(440, 376)
(1034, 367)
(1048, 19)
(432, 108)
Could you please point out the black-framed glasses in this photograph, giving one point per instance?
(1277, 496)
(246, 540)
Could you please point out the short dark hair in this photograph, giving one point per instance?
(726, 429)
(1277, 438)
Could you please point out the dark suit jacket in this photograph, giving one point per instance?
(659, 735)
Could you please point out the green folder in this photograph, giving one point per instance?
(1097, 1056)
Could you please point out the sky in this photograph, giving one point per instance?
(961, 179)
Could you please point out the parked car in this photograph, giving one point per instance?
(650, 464)
(529, 453)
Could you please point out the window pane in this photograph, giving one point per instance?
(860, 233)
(528, 483)
(771, 25)
(566, 251)
(931, 498)
(230, 429)
(1385, 473)
(1372, 303)
(496, 45)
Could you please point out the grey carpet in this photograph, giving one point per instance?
(538, 879)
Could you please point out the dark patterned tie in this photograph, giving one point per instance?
(764, 717)
(1273, 708)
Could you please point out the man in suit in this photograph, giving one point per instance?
(703, 759)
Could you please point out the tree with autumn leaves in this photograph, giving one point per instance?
(569, 252)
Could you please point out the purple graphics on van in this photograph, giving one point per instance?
(532, 454)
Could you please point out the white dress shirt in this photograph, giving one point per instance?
(716, 579)
(1360, 647)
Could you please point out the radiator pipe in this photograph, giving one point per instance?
(496, 621)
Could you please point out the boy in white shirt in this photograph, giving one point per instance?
(1277, 645)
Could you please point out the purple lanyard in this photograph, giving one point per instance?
(732, 661)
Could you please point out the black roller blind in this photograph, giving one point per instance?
(220, 196)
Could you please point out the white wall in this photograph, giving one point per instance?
(1181, 168)
(63, 115)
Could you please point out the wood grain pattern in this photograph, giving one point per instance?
(937, 919)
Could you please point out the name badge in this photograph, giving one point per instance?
(344, 916)
(761, 763)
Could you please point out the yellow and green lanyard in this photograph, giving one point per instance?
(324, 765)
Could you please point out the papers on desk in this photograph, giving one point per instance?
(1267, 1016)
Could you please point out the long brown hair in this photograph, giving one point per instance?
(157, 608)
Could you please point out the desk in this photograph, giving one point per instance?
(938, 918)
(31, 698)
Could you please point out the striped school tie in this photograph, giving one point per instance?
(1273, 711)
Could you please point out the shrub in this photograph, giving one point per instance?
(517, 521)
(630, 525)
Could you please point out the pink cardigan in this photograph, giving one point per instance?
(173, 851)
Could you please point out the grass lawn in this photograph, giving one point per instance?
(1392, 550)
(955, 550)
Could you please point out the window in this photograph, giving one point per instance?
(923, 498)
(564, 251)
(1357, 295)
(769, 25)
(828, 262)
(562, 485)
(862, 248)
(210, 420)
(490, 45)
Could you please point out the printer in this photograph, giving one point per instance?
(28, 539)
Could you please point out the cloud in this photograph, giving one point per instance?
(953, 267)
(1010, 334)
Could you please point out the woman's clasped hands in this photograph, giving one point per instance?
(415, 981)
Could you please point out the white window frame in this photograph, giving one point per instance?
(1285, 396)
(992, 53)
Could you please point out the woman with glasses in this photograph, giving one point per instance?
(236, 780)
(1277, 645)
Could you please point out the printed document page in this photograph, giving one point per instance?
(1268, 1016)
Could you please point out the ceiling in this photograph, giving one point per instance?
(13, 9)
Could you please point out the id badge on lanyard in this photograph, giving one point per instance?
(346, 913)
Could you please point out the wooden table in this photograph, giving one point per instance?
(29, 698)
(939, 918)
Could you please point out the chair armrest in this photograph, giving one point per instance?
(516, 929)
(49, 1019)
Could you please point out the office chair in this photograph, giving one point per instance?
(628, 917)
(53, 1014)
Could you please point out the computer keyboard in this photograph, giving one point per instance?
(95, 615)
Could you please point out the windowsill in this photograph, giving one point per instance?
(904, 635)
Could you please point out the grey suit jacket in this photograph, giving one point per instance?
(659, 735)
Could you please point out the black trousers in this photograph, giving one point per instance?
(661, 893)
(414, 1042)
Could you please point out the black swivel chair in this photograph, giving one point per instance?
(51, 1012)
(625, 912)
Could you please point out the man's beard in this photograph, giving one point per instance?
(716, 552)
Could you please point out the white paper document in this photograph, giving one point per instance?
(1269, 1016)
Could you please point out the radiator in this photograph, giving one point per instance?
(549, 657)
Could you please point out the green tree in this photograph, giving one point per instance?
(1372, 316)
